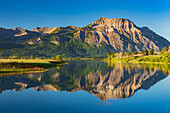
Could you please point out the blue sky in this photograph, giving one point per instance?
(50, 13)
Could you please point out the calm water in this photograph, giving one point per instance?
(88, 86)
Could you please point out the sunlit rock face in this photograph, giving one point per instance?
(44, 30)
(121, 34)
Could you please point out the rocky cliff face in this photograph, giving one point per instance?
(121, 34)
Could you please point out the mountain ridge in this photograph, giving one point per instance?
(96, 39)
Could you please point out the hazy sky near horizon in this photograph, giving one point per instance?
(29, 14)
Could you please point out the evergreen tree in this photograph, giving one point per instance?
(32, 57)
(58, 57)
(146, 52)
(0, 52)
(166, 48)
(151, 52)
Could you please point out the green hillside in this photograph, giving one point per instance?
(67, 46)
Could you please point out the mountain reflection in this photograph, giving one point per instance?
(103, 80)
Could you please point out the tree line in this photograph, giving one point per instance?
(144, 52)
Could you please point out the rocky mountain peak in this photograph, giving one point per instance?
(121, 35)
(106, 35)
(44, 30)
(18, 28)
(119, 24)
(102, 18)
(36, 29)
(72, 27)
(115, 21)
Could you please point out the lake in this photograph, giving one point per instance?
(88, 87)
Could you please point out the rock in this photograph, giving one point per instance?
(122, 35)
(37, 41)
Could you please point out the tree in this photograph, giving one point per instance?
(18, 57)
(110, 56)
(0, 51)
(143, 52)
(146, 52)
(135, 52)
(123, 54)
(130, 53)
(166, 48)
(32, 57)
(113, 55)
(151, 52)
(58, 57)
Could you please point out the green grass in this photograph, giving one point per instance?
(26, 60)
(163, 58)
(16, 66)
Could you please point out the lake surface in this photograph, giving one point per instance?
(88, 86)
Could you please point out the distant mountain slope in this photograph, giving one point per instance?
(17, 35)
(96, 39)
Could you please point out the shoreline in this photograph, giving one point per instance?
(22, 66)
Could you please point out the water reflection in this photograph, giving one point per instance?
(103, 80)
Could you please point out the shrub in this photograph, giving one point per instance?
(32, 57)
(166, 48)
(58, 57)
(123, 54)
(130, 53)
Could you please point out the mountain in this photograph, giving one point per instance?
(44, 30)
(17, 35)
(96, 39)
(121, 35)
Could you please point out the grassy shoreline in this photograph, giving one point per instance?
(21, 66)
(26, 60)
(158, 59)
